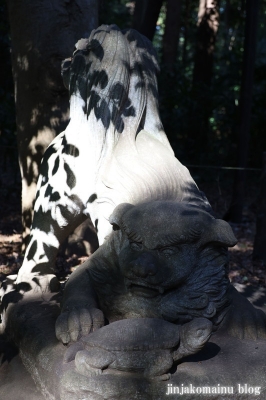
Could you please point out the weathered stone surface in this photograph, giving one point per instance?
(164, 260)
(15, 380)
(147, 346)
(128, 277)
(224, 361)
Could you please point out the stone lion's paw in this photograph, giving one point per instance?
(73, 324)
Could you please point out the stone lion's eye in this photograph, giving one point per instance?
(168, 251)
(136, 245)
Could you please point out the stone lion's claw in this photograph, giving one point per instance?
(72, 324)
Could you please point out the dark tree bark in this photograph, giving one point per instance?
(208, 23)
(259, 251)
(6, 83)
(42, 35)
(171, 33)
(184, 51)
(146, 16)
(235, 211)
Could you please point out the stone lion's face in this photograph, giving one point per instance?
(150, 271)
(163, 249)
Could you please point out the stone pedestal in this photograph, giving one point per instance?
(228, 367)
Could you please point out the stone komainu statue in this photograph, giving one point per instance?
(114, 149)
(159, 280)
(163, 269)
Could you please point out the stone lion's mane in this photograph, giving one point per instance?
(114, 72)
(189, 235)
(204, 291)
(132, 236)
(102, 69)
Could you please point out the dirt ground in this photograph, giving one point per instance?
(243, 269)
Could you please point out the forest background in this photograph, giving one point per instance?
(212, 85)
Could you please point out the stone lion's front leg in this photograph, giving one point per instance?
(58, 211)
(80, 314)
(37, 272)
(78, 321)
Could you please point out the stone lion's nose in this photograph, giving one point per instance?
(144, 266)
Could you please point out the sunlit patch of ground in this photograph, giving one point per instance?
(10, 253)
(11, 258)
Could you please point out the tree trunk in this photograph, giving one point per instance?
(146, 16)
(42, 35)
(234, 214)
(186, 27)
(208, 22)
(259, 251)
(171, 34)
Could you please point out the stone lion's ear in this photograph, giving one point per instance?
(219, 232)
(119, 211)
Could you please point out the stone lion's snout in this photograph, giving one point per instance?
(144, 266)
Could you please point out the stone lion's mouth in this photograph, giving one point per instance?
(143, 289)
